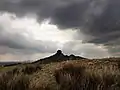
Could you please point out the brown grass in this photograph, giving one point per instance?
(18, 78)
(30, 69)
(25, 69)
(102, 74)
(88, 75)
(13, 82)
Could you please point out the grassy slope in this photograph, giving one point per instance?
(45, 77)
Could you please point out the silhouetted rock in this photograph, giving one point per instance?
(58, 57)
(59, 52)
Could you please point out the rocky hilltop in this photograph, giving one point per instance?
(58, 57)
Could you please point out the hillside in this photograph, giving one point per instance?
(76, 74)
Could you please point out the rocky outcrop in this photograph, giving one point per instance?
(58, 57)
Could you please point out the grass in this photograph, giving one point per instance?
(102, 74)
(8, 81)
(88, 75)
(17, 77)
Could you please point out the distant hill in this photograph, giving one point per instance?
(58, 57)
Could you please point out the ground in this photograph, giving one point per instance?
(60, 75)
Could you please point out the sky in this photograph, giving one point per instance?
(33, 29)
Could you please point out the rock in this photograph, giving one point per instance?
(58, 57)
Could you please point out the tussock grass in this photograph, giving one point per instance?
(102, 74)
(30, 69)
(88, 75)
(18, 78)
(25, 69)
(13, 82)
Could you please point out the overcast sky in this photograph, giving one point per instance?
(33, 29)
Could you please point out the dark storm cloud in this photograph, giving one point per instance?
(97, 18)
(91, 16)
(70, 16)
(43, 8)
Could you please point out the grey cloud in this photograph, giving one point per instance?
(86, 50)
(91, 16)
(19, 43)
(43, 8)
(96, 18)
(100, 19)
(70, 16)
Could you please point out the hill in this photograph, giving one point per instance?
(58, 57)
(79, 74)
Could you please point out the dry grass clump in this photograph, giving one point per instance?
(25, 69)
(30, 69)
(19, 82)
(78, 76)
(40, 87)
(13, 82)
(10, 81)
(18, 78)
